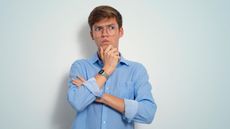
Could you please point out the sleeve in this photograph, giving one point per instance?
(143, 108)
(80, 97)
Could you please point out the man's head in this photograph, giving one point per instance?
(105, 26)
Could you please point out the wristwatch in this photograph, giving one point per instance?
(103, 73)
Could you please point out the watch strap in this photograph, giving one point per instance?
(103, 73)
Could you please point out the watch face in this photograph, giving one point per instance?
(101, 71)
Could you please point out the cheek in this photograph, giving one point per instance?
(116, 38)
(97, 43)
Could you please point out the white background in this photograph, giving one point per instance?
(184, 45)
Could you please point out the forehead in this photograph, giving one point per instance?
(106, 21)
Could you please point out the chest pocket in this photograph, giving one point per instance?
(124, 90)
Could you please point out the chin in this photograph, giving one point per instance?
(104, 46)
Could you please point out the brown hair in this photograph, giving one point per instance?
(102, 12)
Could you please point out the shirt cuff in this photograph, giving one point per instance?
(131, 107)
(93, 87)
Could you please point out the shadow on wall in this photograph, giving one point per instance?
(63, 113)
(86, 44)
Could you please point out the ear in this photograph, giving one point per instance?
(121, 32)
(91, 34)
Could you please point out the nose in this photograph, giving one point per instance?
(105, 32)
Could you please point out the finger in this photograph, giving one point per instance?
(77, 82)
(108, 49)
(81, 78)
(117, 53)
(101, 53)
(113, 51)
(98, 100)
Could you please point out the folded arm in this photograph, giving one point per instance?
(142, 109)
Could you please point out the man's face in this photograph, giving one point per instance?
(106, 32)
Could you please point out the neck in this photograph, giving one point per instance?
(99, 56)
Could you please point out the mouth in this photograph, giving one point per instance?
(105, 41)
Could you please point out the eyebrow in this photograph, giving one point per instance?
(105, 25)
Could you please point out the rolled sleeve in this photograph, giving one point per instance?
(131, 108)
(93, 87)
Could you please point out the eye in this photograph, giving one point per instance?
(111, 27)
(97, 29)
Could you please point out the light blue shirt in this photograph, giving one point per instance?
(129, 81)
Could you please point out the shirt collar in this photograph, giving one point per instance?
(95, 58)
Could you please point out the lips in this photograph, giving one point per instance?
(104, 41)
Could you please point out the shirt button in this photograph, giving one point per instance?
(104, 122)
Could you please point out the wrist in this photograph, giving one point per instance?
(103, 73)
(108, 70)
(103, 98)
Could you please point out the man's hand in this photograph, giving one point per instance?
(107, 99)
(99, 100)
(79, 81)
(110, 57)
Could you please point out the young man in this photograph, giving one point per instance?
(108, 91)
